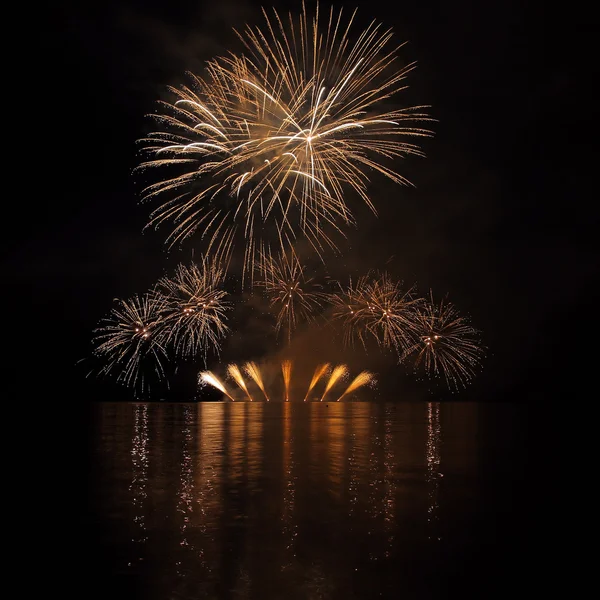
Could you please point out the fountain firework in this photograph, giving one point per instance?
(253, 371)
(206, 377)
(361, 379)
(286, 369)
(319, 372)
(235, 373)
(338, 373)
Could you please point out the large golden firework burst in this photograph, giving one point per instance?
(268, 144)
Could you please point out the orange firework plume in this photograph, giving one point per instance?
(319, 372)
(253, 371)
(206, 377)
(286, 368)
(361, 379)
(235, 373)
(338, 373)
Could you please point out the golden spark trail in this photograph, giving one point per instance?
(235, 373)
(253, 371)
(338, 373)
(361, 379)
(286, 369)
(319, 372)
(206, 377)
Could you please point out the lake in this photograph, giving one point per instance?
(307, 500)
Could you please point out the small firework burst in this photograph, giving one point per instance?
(447, 344)
(193, 309)
(377, 307)
(128, 341)
(291, 293)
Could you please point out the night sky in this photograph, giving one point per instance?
(501, 217)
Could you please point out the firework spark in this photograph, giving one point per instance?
(379, 308)
(253, 371)
(128, 341)
(293, 295)
(319, 372)
(447, 344)
(206, 377)
(271, 140)
(338, 373)
(286, 369)
(193, 309)
(361, 379)
(235, 373)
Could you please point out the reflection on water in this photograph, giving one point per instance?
(185, 505)
(286, 500)
(290, 526)
(139, 477)
(434, 432)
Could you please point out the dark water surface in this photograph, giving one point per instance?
(302, 501)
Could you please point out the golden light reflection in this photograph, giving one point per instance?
(139, 480)
(375, 483)
(336, 446)
(290, 524)
(434, 438)
(238, 477)
(236, 443)
(389, 498)
(185, 494)
(359, 452)
(208, 483)
(255, 441)
(317, 447)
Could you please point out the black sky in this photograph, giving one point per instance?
(502, 218)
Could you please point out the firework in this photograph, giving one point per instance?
(319, 372)
(338, 373)
(361, 379)
(271, 140)
(286, 369)
(377, 307)
(193, 309)
(236, 375)
(292, 294)
(447, 344)
(128, 341)
(254, 372)
(206, 377)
